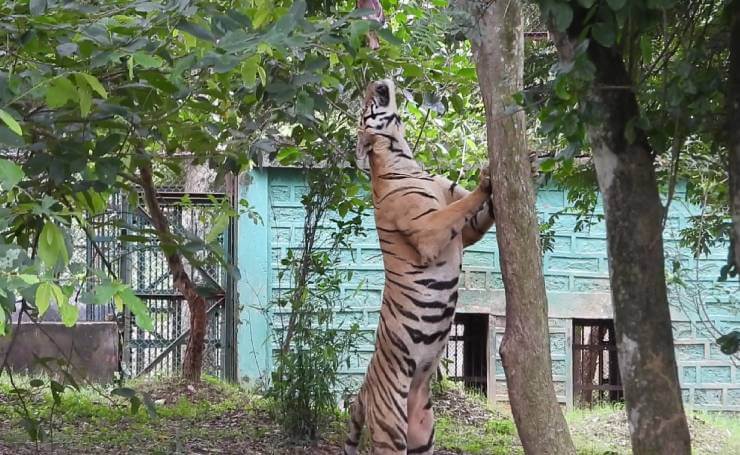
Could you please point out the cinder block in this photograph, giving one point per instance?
(716, 374)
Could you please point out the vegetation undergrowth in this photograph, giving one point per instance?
(215, 416)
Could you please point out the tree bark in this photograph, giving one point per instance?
(193, 361)
(633, 213)
(498, 46)
(733, 126)
(590, 363)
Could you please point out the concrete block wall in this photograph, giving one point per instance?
(576, 275)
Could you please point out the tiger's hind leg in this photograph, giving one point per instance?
(356, 422)
(421, 417)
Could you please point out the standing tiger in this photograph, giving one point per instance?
(423, 223)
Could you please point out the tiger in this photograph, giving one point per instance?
(423, 222)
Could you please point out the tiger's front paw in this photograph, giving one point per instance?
(484, 184)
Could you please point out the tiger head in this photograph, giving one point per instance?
(379, 114)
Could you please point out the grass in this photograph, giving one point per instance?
(220, 415)
(729, 423)
(497, 437)
(88, 419)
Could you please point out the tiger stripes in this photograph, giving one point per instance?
(423, 223)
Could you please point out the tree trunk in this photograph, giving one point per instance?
(733, 126)
(193, 361)
(591, 360)
(498, 46)
(633, 212)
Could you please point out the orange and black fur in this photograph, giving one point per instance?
(423, 223)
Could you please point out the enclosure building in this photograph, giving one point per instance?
(582, 343)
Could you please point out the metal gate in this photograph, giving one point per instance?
(465, 354)
(595, 366)
(143, 266)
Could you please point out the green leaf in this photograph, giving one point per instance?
(196, 30)
(586, 3)
(457, 103)
(604, 34)
(84, 97)
(11, 122)
(219, 226)
(547, 165)
(646, 48)
(616, 5)
(249, 70)
(729, 343)
(118, 302)
(52, 248)
(59, 92)
(411, 70)
(69, 313)
(10, 174)
(389, 36)
(288, 155)
(304, 105)
(147, 61)
(561, 88)
(562, 14)
(43, 297)
(137, 307)
(94, 84)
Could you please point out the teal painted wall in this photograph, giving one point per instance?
(254, 341)
(576, 275)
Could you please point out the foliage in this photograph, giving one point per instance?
(313, 343)
(676, 56)
(93, 419)
(39, 402)
(89, 91)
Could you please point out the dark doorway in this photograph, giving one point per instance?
(465, 356)
(595, 366)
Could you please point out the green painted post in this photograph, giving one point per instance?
(254, 338)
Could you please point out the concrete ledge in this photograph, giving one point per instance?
(90, 347)
(566, 305)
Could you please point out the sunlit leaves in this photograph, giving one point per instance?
(11, 122)
(146, 60)
(10, 174)
(94, 84)
(44, 295)
(52, 248)
(60, 91)
(48, 291)
(219, 226)
(110, 291)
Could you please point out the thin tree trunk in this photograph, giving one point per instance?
(733, 126)
(193, 361)
(633, 211)
(498, 46)
(591, 362)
